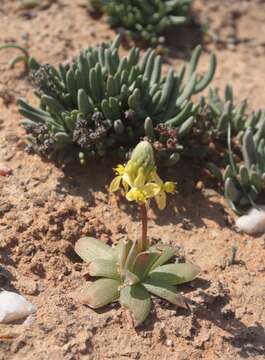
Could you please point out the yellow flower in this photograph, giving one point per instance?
(120, 169)
(125, 177)
(169, 187)
(139, 178)
(142, 193)
(164, 188)
(115, 184)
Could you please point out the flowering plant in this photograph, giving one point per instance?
(131, 270)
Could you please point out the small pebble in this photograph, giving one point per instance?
(253, 222)
(14, 307)
(169, 343)
(5, 171)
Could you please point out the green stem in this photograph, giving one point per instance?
(143, 243)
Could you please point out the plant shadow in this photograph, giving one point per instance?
(189, 206)
(250, 340)
(85, 181)
(6, 251)
(215, 309)
(179, 41)
(182, 39)
(6, 279)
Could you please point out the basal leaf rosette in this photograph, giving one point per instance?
(129, 277)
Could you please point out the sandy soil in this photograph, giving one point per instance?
(44, 210)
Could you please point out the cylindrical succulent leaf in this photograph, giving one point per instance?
(248, 149)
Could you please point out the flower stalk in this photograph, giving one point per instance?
(144, 241)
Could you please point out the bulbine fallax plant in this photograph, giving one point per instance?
(102, 103)
(145, 20)
(30, 62)
(131, 270)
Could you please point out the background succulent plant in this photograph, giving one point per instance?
(256, 122)
(216, 112)
(95, 7)
(35, 4)
(146, 20)
(101, 103)
(218, 119)
(245, 181)
(29, 62)
(128, 276)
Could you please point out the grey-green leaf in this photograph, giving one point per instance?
(137, 300)
(131, 256)
(165, 291)
(100, 293)
(89, 249)
(167, 253)
(122, 251)
(104, 268)
(129, 278)
(144, 262)
(173, 274)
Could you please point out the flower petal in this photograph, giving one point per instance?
(169, 187)
(161, 200)
(115, 184)
(130, 196)
(119, 170)
(136, 194)
(125, 186)
(151, 190)
(154, 176)
(127, 179)
(140, 178)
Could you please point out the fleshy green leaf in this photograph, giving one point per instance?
(131, 257)
(104, 268)
(174, 274)
(122, 250)
(165, 291)
(89, 249)
(129, 278)
(144, 262)
(167, 253)
(137, 299)
(100, 293)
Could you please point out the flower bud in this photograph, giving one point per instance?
(169, 187)
(143, 156)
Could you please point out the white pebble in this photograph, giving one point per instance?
(253, 222)
(14, 307)
(169, 343)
